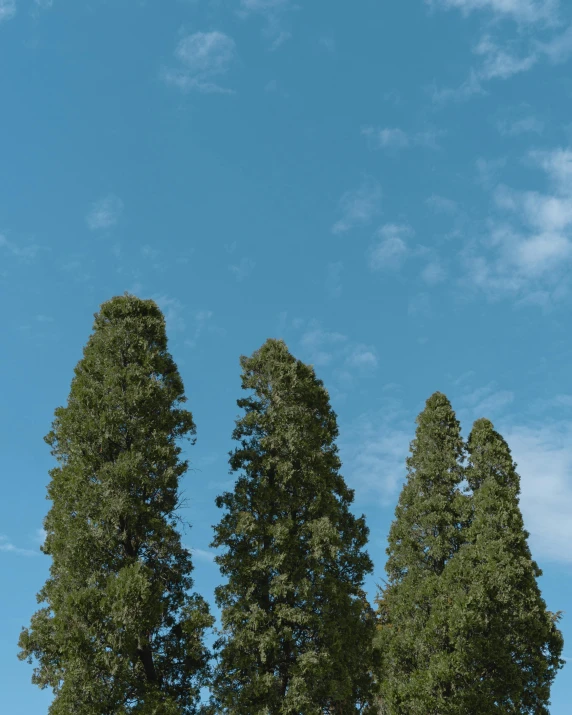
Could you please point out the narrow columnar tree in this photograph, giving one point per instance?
(509, 642)
(297, 630)
(119, 633)
(417, 676)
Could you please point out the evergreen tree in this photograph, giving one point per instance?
(509, 642)
(418, 659)
(296, 627)
(119, 634)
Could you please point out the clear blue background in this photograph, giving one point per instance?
(385, 185)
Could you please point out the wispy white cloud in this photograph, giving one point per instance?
(24, 252)
(104, 213)
(321, 345)
(543, 454)
(8, 547)
(202, 319)
(362, 356)
(530, 242)
(442, 204)
(433, 273)
(486, 401)
(358, 207)
(334, 278)
(7, 9)
(396, 138)
(172, 309)
(274, 12)
(499, 63)
(202, 555)
(391, 247)
(242, 269)
(44, 4)
(525, 125)
(373, 449)
(521, 11)
(203, 57)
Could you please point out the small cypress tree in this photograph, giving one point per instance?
(418, 661)
(297, 629)
(509, 642)
(119, 634)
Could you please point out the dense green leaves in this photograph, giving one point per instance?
(120, 633)
(509, 641)
(462, 627)
(297, 629)
(417, 675)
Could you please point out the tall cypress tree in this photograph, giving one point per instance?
(119, 633)
(509, 642)
(418, 659)
(297, 628)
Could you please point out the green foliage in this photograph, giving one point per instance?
(509, 642)
(297, 628)
(417, 676)
(120, 634)
(462, 627)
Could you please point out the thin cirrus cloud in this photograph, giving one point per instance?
(526, 125)
(521, 11)
(359, 206)
(501, 61)
(242, 269)
(7, 10)
(391, 247)
(8, 547)
(104, 213)
(528, 249)
(203, 58)
(396, 138)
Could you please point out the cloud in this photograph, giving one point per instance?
(521, 11)
(530, 242)
(171, 308)
(242, 269)
(498, 63)
(203, 555)
(333, 279)
(203, 56)
(470, 87)
(104, 213)
(273, 11)
(202, 319)
(7, 546)
(373, 449)
(7, 9)
(27, 253)
(485, 401)
(395, 138)
(433, 273)
(441, 204)
(44, 4)
(362, 357)
(358, 207)
(389, 252)
(520, 126)
(321, 344)
(543, 454)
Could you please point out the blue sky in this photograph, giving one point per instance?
(385, 185)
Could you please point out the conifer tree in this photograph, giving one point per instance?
(296, 627)
(509, 643)
(119, 633)
(417, 676)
